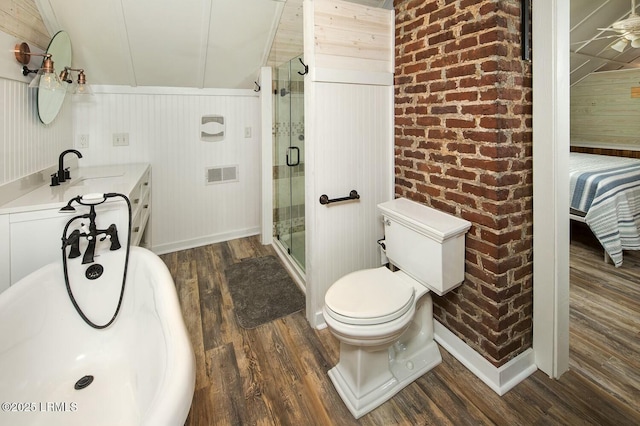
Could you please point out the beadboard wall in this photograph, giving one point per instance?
(27, 146)
(348, 143)
(605, 110)
(163, 125)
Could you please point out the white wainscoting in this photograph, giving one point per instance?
(349, 141)
(27, 145)
(351, 128)
(164, 129)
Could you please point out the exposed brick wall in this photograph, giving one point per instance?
(463, 103)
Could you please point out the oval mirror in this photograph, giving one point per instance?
(50, 101)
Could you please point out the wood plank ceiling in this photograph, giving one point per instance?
(223, 43)
(179, 43)
(591, 53)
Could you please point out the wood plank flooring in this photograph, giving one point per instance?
(276, 374)
(605, 317)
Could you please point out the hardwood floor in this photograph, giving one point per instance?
(276, 374)
(605, 317)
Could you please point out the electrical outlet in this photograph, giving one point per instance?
(83, 141)
(247, 132)
(120, 139)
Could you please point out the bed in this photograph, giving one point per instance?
(605, 194)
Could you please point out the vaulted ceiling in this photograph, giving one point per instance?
(179, 43)
(174, 43)
(223, 43)
(590, 51)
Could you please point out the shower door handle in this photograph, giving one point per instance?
(297, 150)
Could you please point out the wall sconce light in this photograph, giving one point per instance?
(45, 75)
(80, 87)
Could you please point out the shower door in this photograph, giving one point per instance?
(289, 227)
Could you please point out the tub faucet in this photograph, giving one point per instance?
(63, 174)
(92, 233)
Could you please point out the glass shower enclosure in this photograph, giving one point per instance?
(288, 162)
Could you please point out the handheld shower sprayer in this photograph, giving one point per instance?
(92, 199)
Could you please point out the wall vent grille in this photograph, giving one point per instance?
(221, 174)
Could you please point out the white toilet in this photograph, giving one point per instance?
(384, 319)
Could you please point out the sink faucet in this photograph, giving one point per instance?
(63, 174)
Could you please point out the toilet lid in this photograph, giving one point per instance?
(370, 296)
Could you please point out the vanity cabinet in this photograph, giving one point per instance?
(140, 199)
(32, 238)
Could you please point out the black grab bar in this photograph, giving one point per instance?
(353, 195)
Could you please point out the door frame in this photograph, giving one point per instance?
(551, 185)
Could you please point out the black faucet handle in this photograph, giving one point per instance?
(75, 250)
(67, 174)
(54, 180)
(74, 242)
(112, 232)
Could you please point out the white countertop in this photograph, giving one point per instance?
(85, 180)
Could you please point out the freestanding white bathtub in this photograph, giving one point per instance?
(143, 364)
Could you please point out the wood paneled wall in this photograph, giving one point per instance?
(351, 38)
(287, 43)
(604, 113)
(349, 142)
(21, 19)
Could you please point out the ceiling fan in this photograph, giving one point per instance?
(628, 30)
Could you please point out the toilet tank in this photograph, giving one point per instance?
(425, 243)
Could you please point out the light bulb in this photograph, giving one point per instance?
(50, 81)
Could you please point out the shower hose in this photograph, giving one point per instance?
(92, 205)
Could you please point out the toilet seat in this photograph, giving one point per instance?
(369, 297)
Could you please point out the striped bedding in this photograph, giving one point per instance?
(607, 191)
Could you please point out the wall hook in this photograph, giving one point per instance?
(257, 89)
(306, 68)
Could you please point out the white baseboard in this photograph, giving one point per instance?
(203, 241)
(320, 323)
(500, 379)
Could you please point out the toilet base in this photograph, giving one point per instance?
(400, 372)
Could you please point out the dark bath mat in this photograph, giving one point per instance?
(262, 291)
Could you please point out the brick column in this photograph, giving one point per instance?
(463, 103)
